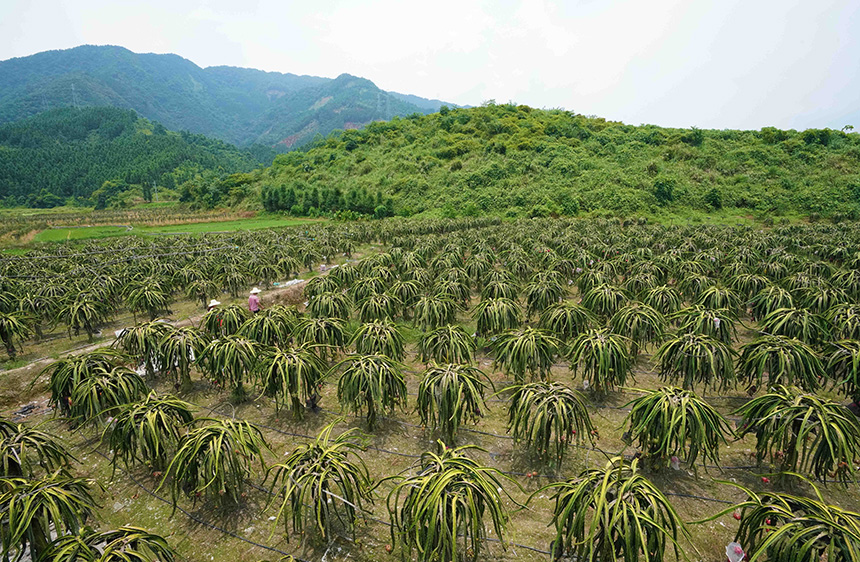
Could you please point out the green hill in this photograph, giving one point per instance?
(239, 105)
(70, 154)
(517, 161)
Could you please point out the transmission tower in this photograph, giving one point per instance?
(75, 97)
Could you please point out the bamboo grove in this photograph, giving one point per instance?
(439, 322)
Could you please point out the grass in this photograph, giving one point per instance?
(82, 233)
(255, 223)
(92, 232)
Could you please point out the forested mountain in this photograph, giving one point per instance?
(239, 105)
(69, 153)
(519, 161)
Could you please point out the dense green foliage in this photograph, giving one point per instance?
(95, 154)
(789, 528)
(446, 266)
(802, 431)
(239, 105)
(321, 479)
(614, 513)
(439, 513)
(508, 159)
(671, 421)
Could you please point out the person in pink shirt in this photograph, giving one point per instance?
(254, 301)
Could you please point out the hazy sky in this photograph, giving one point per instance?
(711, 64)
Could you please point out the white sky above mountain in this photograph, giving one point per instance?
(705, 63)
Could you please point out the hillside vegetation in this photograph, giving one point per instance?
(94, 156)
(242, 106)
(517, 161)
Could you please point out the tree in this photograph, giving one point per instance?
(325, 335)
(613, 512)
(291, 376)
(32, 508)
(230, 360)
(148, 431)
(330, 305)
(202, 289)
(499, 289)
(321, 477)
(432, 312)
(439, 512)
(748, 284)
(86, 311)
(716, 297)
(378, 307)
(23, 448)
(604, 357)
(604, 300)
(845, 321)
(717, 323)
(214, 461)
(179, 349)
(371, 383)
(770, 298)
(672, 422)
(544, 290)
(143, 343)
(447, 344)
(526, 351)
(124, 544)
(407, 293)
(547, 417)
(697, 359)
(786, 361)
(780, 526)
(224, 320)
(802, 431)
(714, 198)
(640, 323)
(66, 374)
(271, 326)
(663, 298)
(35, 308)
(843, 365)
(567, 320)
(450, 394)
(13, 326)
(798, 323)
(148, 296)
(380, 337)
(664, 190)
(103, 392)
(494, 316)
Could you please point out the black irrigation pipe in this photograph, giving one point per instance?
(490, 453)
(389, 524)
(269, 492)
(303, 436)
(201, 521)
(494, 455)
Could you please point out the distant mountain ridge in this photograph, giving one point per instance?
(242, 106)
(71, 155)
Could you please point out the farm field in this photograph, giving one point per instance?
(88, 232)
(538, 342)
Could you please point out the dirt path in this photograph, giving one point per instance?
(18, 387)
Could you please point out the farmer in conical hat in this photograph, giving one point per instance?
(254, 301)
